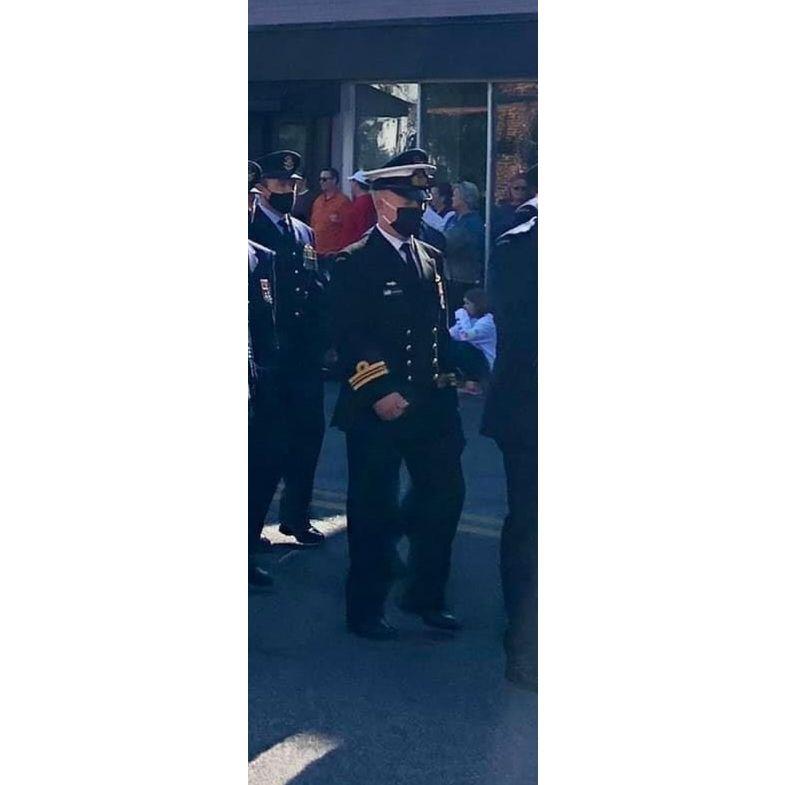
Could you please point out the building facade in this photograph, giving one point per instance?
(352, 84)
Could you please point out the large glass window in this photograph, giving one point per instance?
(386, 123)
(514, 149)
(293, 136)
(515, 133)
(455, 130)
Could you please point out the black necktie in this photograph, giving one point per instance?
(407, 252)
(288, 233)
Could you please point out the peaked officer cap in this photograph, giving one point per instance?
(281, 165)
(408, 174)
(254, 174)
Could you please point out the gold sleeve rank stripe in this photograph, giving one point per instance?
(367, 372)
(369, 378)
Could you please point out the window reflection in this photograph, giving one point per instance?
(386, 122)
(515, 133)
(454, 130)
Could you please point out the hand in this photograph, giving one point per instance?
(472, 388)
(391, 407)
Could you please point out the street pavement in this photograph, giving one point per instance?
(433, 708)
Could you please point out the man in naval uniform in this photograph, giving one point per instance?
(265, 439)
(510, 418)
(397, 403)
(301, 331)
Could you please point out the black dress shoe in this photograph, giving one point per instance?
(374, 629)
(309, 536)
(522, 673)
(259, 577)
(441, 620)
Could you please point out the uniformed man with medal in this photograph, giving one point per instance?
(398, 403)
(265, 437)
(298, 291)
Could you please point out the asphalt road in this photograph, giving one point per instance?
(327, 708)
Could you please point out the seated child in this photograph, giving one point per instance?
(474, 329)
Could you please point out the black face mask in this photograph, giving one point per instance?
(281, 203)
(407, 221)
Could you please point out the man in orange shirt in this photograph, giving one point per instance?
(330, 214)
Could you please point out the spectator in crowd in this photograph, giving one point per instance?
(303, 201)
(442, 202)
(529, 208)
(330, 214)
(474, 328)
(465, 241)
(519, 190)
(432, 236)
(439, 213)
(522, 215)
(362, 216)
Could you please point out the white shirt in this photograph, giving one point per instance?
(478, 332)
(436, 221)
(397, 242)
(252, 259)
(271, 214)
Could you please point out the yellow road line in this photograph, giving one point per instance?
(478, 530)
(469, 516)
(337, 501)
(331, 494)
(489, 532)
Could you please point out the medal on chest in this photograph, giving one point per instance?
(267, 292)
(440, 289)
(309, 257)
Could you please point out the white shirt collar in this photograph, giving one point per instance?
(270, 213)
(395, 242)
(532, 202)
(252, 260)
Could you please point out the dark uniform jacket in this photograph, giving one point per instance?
(298, 291)
(261, 306)
(510, 414)
(389, 325)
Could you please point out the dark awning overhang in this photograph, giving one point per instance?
(465, 48)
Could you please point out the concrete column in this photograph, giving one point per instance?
(343, 135)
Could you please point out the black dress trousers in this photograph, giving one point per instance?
(302, 414)
(299, 406)
(519, 550)
(266, 455)
(429, 512)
